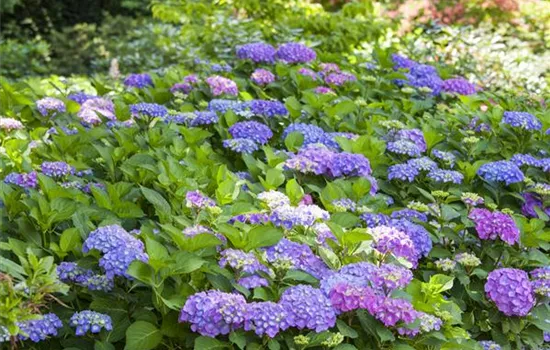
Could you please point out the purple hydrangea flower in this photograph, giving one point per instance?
(446, 176)
(295, 53)
(108, 238)
(344, 204)
(339, 79)
(242, 261)
(220, 67)
(91, 111)
(115, 262)
(50, 106)
(323, 90)
(266, 108)
(390, 311)
(402, 62)
(139, 81)
(80, 97)
(540, 279)
(308, 308)
(152, 110)
(250, 218)
(428, 323)
(418, 235)
(312, 133)
(56, 169)
(346, 297)
(389, 277)
(195, 199)
(447, 157)
(194, 119)
(302, 215)
(414, 135)
(373, 220)
(188, 83)
(489, 345)
(273, 199)
(251, 282)
(404, 172)
(291, 255)
(308, 73)
(213, 312)
(522, 120)
(525, 159)
(501, 171)
(490, 225)
(266, 318)
(71, 272)
(262, 77)
(24, 180)
(241, 145)
(92, 321)
(251, 130)
(41, 329)
(10, 124)
(459, 86)
(220, 85)
(409, 214)
(404, 147)
(390, 240)
(511, 291)
(257, 52)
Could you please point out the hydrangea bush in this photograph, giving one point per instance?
(237, 205)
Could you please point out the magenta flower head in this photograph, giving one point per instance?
(212, 313)
(511, 291)
(220, 85)
(10, 124)
(262, 77)
(295, 53)
(50, 106)
(490, 225)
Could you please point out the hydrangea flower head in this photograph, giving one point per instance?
(91, 321)
(459, 86)
(266, 108)
(273, 199)
(24, 180)
(91, 111)
(404, 172)
(10, 124)
(212, 313)
(308, 308)
(80, 97)
(446, 176)
(56, 169)
(41, 329)
(489, 345)
(139, 81)
(339, 79)
(292, 53)
(196, 199)
(220, 85)
(266, 318)
(262, 77)
(257, 52)
(241, 145)
(390, 240)
(287, 254)
(152, 110)
(522, 120)
(511, 291)
(490, 225)
(389, 277)
(501, 171)
(50, 106)
(251, 130)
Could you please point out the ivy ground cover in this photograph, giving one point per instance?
(287, 199)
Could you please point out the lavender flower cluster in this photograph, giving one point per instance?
(71, 272)
(90, 321)
(24, 180)
(490, 225)
(248, 109)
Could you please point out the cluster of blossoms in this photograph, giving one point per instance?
(197, 200)
(92, 110)
(119, 249)
(248, 109)
(193, 119)
(501, 171)
(10, 124)
(522, 120)
(71, 272)
(408, 142)
(250, 218)
(24, 180)
(288, 216)
(139, 81)
(81, 97)
(287, 254)
(530, 160)
(426, 76)
(511, 291)
(292, 53)
(90, 321)
(148, 110)
(390, 240)
(41, 329)
(540, 279)
(257, 53)
(313, 134)
(490, 225)
(247, 136)
(262, 77)
(533, 202)
(189, 82)
(56, 169)
(220, 85)
(50, 106)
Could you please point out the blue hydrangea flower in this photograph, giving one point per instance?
(409, 214)
(404, 147)
(242, 261)
(522, 120)
(459, 86)
(251, 282)
(422, 164)
(501, 171)
(194, 119)
(38, 330)
(152, 110)
(266, 318)
(373, 220)
(447, 157)
(90, 321)
(403, 172)
(295, 53)
(251, 130)
(138, 80)
(50, 106)
(418, 234)
(24, 180)
(291, 255)
(56, 169)
(266, 108)
(257, 52)
(402, 62)
(80, 97)
(312, 133)
(222, 106)
(116, 262)
(446, 176)
(308, 308)
(241, 145)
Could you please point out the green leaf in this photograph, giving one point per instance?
(100, 345)
(346, 330)
(142, 335)
(141, 271)
(155, 250)
(162, 207)
(238, 338)
(275, 178)
(186, 263)
(294, 141)
(341, 108)
(329, 257)
(70, 239)
(345, 347)
(262, 236)
(101, 197)
(346, 220)
(206, 343)
(448, 212)
(294, 191)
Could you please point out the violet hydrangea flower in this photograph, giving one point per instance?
(241, 145)
(490, 225)
(389, 277)
(292, 53)
(522, 120)
(459, 86)
(251, 130)
(91, 111)
(262, 77)
(10, 124)
(195, 199)
(266, 318)
(24, 180)
(212, 313)
(220, 85)
(404, 172)
(390, 240)
(50, 106)
(257, 52)
(139, 81)
(446, 176)
(291, 255)
(266, 108)
(511, 291)
(339, 79)
(81, 97)
(308, 308)
(152, 110)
